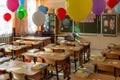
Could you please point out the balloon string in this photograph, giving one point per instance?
(97, 23)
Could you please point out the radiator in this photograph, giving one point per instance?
(5, 40)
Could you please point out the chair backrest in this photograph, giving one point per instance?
(58, 50)
(49, 50)
(49, 61)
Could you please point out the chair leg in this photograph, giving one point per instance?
(75, 66)
(56, 71)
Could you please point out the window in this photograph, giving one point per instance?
(31, 8)
(5, 27)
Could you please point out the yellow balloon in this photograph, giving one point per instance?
(78, 9)
(56, 10)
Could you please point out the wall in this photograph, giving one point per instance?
(99, 41)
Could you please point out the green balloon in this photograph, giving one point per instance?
(20, 15)
(25, 12)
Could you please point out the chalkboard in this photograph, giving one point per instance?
(88, 27)
(93, 27)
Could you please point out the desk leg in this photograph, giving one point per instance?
(12, 53)
(10, 75)
(75, 61)
(56, 70)
(95, 68)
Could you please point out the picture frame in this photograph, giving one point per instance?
(109, 25)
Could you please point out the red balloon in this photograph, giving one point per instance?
(7, 16)
(112, 3)
(61, 13)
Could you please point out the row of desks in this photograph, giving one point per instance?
(22, 68)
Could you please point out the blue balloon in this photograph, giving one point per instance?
(117, 8)
(21, 2)
(42, 9)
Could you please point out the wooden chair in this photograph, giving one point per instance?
(52, 67)
(73, 57)
(37, 44)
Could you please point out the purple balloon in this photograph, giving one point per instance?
(98, 6)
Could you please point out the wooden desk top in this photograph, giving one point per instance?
(21, 67)
(26, 68)
(75, 48)
(94, 76)
(27, 42)
(33, 38)
(53, 56)
(4, 59)
(109, 62)
(108, 51)
(80, 43)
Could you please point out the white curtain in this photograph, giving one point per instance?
(31, 8)
(5, 27)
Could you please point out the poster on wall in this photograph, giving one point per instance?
(109, 24)
(66, 24)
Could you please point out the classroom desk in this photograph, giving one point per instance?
(46, 40)
(107, 62)
(4, 59)
(86, 47)
(22, 67)
(12, 49)
(111, 52)
(94, 76)
(31, 44)
(57, 57)
(77, 50)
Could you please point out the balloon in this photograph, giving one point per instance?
(38, 18)
(42, 9)
(46, 8)
(7, 16)
(112, 3)
(117, 8)
(78, 9)
(61, 13)
(12, 5)
(20, 15)
(98, 6)
(21, 8)
(56, 10)
(21, 2)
